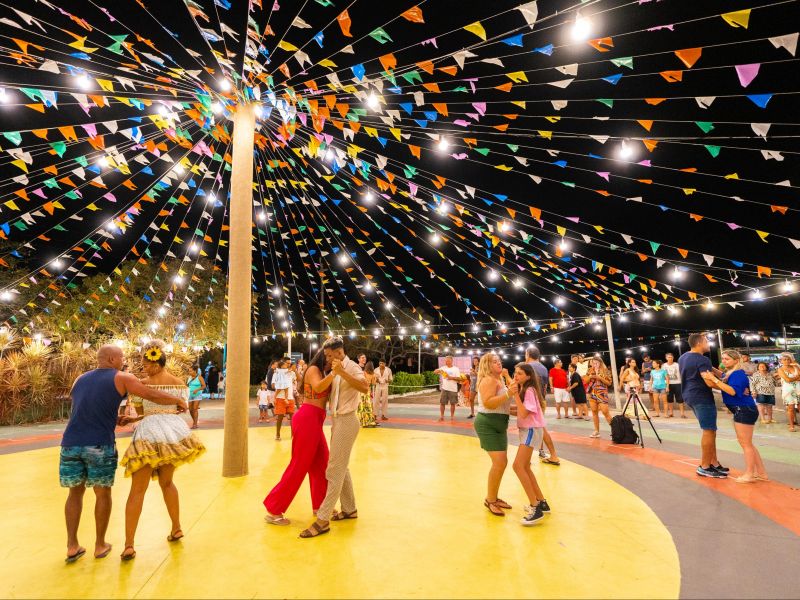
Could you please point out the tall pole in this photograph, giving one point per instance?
(240, 260)
(419, 355)
(721, 346)
(612, 357)
(785, 341)
(289, 345)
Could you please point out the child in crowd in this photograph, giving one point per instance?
(263, 403)
(530, 422)
(763, 382)
(578, 392)
(658, 388)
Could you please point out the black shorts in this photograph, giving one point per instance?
(746, 415)
(579, 399)
(674, 394)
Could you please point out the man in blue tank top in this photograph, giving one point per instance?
(88, 450)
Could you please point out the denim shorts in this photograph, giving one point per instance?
(87, 465)
(746, 415)
(766, 399)
(706, 416)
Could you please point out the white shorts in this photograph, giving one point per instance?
(648, 385)
(562, 395)
(531, 437)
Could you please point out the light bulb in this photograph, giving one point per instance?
(373, 102)
(225, 85)
(581, 29)
(443, 145)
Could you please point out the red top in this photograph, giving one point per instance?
(559, 377)
(310, 394)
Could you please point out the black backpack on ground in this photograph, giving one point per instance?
(622, 430)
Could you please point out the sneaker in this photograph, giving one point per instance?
(543, 453)
(532, 517)
(720, 469)
(471, 416)
(543, 506)
(710, 472)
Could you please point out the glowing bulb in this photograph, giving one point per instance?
(623, 317)
(504, 227)
(329, 155)
(756, 295)
(443, 208)
(709, 304)
(276, 291)
(581, 29)
(625, 151)
(162, 110)
(559, 301)
(3, 96)
(369, 197)
(103, 163)
(435, 239)
(179, 169)
(376, 332)
(58, 263)
(216, 107)
(518, 282)
(258, 111)
(788, 286)
(492, 274)
(643, 349)
(194, 248)
(225, 85)
(344, 259)
(280, 312)
(83, 82)
(368, 287)
(162, 311)
(177, 279)
(676, 274)
(262, 216)
(563, 245)
(373, 102)
(443, 145)
(5, 296)
(212, 199)
(474, 328)
(646, 315)
(389, 306)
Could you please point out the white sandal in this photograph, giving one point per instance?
(276, 519)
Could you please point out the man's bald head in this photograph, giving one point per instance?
(110, 357)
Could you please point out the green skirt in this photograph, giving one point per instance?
(492, 430)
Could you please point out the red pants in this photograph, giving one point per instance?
(309, 455)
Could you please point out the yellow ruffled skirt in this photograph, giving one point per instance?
(158, 440)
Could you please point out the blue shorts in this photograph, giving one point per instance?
(706, 416)
(746, 415)
(87, 465)
(766, 399)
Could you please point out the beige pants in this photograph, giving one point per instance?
(380, 401)
(344, 431)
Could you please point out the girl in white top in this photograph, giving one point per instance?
(789, 373)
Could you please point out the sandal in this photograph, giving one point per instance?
(342, 516)
(315, 527)
(276, 519)
(494, 508)
(174, 537)
(130, 556)
(549, 461)
(72, 558)
(104, 553)
(503, 504)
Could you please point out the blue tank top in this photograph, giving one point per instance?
(95, 403)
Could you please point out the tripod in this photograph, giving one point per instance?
(633, 396)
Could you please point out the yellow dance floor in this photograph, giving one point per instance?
(422, 532)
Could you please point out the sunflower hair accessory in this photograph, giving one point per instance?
(153, 354)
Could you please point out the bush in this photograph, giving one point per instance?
(431, 378)
(406, 382)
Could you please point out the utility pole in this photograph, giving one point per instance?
(721, 347)
(240, 260)
(419, 355)
(612, 357)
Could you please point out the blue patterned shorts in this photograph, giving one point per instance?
(88, 465)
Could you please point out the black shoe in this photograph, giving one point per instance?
(720, 469)
(533, 517)
(710, 472)
(543, 506)
(471, 416)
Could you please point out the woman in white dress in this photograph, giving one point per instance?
(789, 372)
(161, 442)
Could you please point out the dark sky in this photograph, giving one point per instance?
(696, 152)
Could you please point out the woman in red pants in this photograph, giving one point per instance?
(309, 446)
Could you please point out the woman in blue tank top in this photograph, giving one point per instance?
(196, 385)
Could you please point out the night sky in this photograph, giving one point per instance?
(707, 190)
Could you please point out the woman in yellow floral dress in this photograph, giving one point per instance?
(161, 442)
(365, 414)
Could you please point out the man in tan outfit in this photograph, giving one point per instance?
(383, 377)
(348, 383)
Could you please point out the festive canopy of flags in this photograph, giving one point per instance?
(478, 170)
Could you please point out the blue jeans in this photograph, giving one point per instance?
(706, 416)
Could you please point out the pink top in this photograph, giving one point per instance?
(535, 416)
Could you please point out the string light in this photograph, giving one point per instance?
(435, 239)
(5, 296)
(581, 29)
(373, 102)
(443, 145)
(369, 197)
(83, 82)
(625, 151)
(225, 85)
(492, 275)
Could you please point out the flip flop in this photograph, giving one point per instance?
(342, 516)
(494, 508)
(127, 557)
(76, 556)
(174, 538)
(104, 553)
(306, 533)
(548, 461)
(276, 519)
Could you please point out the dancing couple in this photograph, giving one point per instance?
(161, 442)
(330, 379)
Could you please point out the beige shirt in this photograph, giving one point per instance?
(383, 378)
(344, 397)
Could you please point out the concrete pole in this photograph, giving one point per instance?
(785, 341)
(419, 355)
(240, 214)
(612, 357)
(721, 346)
(289, 345)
